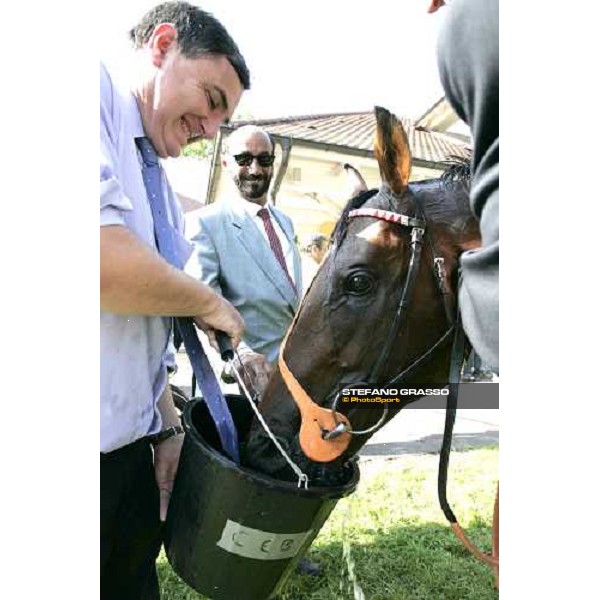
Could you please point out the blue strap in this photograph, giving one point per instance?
(165, 240)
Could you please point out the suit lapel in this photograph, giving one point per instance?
(258, 249)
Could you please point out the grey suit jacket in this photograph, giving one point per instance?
(233, 257)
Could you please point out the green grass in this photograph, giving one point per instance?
(398, 540)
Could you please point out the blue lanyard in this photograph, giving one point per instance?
(165, 236)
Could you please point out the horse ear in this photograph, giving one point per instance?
(356, 181)
(392, 150)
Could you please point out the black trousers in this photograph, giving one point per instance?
(130, 528)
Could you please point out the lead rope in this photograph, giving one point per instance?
(452, 403)
(302, 477)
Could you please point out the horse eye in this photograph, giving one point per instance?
(359, 283)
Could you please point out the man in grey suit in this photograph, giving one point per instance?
(245, 250)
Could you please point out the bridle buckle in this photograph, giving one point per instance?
(440, 267)
(416, 235)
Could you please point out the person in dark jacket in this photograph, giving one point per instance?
(468, 62)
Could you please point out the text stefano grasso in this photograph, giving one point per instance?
(394, 392)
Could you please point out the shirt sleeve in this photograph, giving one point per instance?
(113, 201)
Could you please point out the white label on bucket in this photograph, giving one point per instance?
(262, 545)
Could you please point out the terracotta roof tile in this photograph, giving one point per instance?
(356, 130)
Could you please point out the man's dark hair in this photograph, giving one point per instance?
(198, 34)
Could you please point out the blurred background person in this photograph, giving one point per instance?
(315, 249)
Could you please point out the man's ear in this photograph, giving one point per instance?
(162, 39)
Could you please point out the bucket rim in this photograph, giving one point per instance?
(333, 492)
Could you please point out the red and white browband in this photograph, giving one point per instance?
(387, 215)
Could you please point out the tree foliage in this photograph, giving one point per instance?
(201, 149)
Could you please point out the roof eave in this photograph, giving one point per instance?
(340, 148)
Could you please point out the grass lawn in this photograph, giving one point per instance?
(392, 539)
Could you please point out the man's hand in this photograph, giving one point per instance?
(166, 460)
(435, 4)
(166, 454)
(258, 371)
(221, 316)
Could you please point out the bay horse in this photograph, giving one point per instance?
(381, 309)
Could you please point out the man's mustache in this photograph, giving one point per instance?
(253, 178)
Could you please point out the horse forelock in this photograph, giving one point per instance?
(342, 225)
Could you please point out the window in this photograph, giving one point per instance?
(294, 174)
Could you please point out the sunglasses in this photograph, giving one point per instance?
(245, 159)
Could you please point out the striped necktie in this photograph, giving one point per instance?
(274, 242)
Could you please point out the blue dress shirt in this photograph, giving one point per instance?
(134, 349)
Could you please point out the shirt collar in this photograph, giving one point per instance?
(133, 116)
(251, 207)
(122, 80)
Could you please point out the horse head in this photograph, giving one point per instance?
(381, 305)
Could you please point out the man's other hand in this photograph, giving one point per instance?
(256, 371)
(166, 460)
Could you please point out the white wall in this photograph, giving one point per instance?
(188, 176)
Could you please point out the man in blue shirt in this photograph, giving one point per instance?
(188, 79)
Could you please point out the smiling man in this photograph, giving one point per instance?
(189, 83)
(188, 79)
(245, 250)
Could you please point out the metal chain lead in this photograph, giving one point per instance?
(302, 477)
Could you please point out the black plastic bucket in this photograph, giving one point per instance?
(232, 533)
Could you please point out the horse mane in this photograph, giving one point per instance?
(458, 170)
